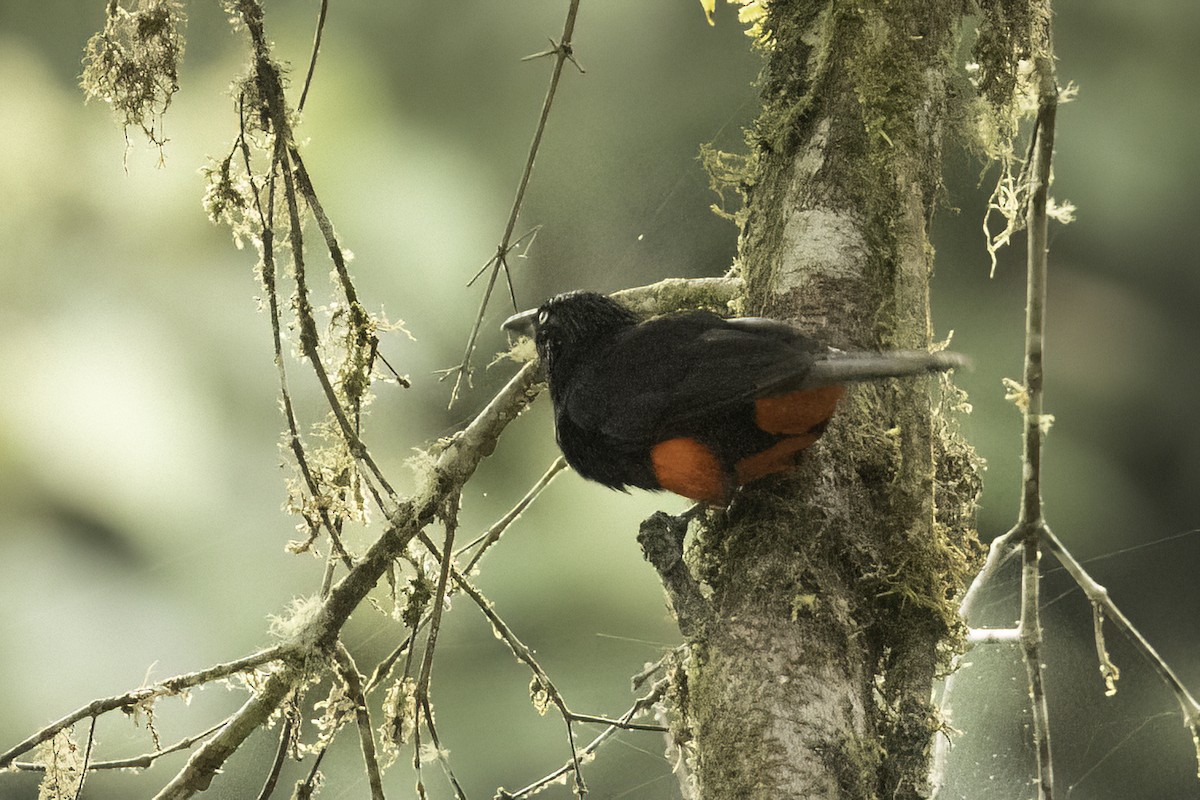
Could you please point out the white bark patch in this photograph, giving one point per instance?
(813, 157)
(820, 241)
(817, 240)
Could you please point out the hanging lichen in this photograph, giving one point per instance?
(1006, 46)
(133, 64)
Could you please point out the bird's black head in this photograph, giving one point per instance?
(570, 326)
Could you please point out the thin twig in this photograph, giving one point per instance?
(309, 338)
(487, 538)
(308, 787)
(268, 277)
(143, 761)
(170, 686)
(285, 741)
(617, 723)
(1030, 527)
(366, 735)
(1032, 531)
(563, 51)
(523, 654)
(286, 155)
(639, 680)
(1098, 595)
(446, 557)
(493, 534)
(1031, 641)
(442, 758)
(385, 666)
(1031, 520)
(657, 692)
(450, 516)
(87, 756)
(1000, 551)
(304, 183)
(204, 764)
(530, 235)
(316, 48)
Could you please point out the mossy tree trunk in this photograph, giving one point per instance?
(833, 589)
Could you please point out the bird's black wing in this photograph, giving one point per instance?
(665, 374)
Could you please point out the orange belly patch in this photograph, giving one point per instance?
(796, 412)
(687, 467)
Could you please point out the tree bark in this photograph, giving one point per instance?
(832, 590)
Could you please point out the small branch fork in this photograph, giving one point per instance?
(1032, 534)
(624, 722)
(563, 51)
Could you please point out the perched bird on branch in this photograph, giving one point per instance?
(692, 402)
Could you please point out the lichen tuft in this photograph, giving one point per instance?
(133, 64)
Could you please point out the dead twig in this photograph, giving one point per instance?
(563, 51)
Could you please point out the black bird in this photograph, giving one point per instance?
(691, 402)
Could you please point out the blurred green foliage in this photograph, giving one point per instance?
(139, 466)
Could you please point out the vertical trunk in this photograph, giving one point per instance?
(833, 588)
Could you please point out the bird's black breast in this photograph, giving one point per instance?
(604, 459)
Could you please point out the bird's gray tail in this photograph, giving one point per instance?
(840, 367)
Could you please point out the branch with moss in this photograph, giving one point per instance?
(661, 537)
(451, 467)
(145, 696)
(1032, 534)
(144, 761)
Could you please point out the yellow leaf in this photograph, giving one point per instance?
(709, 7)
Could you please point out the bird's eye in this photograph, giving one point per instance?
(543, 316)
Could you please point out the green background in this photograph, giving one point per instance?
(140, 482)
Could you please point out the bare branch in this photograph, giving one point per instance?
(450, 517)
(316, 48)
(563, 51)
(309, 337)
(385, 666)
(651, 669)
(1031, 641)
(366, 734)
(268, 277)
(643, 704)
(442, 758)
(624, 725)
(206, 762)
(87, 757)
(1032, 532)
(285, 741)
(1001, 550)
(524, 654)
(493, 534)
(1098, 595)
(453, 467)
(1031, 521)
(170, 686)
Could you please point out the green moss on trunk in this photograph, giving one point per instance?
(835, 587)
